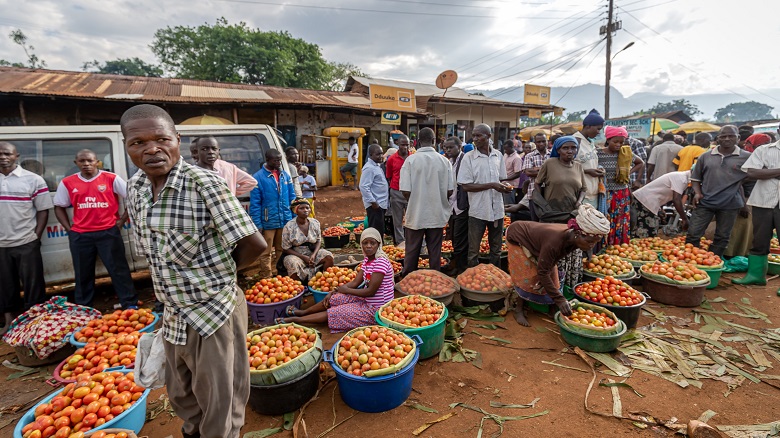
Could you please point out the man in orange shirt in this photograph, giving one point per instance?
(688, 155)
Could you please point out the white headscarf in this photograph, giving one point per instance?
(591, 221)
(374, 234)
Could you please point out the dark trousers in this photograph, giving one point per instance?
(765, 222)
(23, 263)
(376, 219)
(414, 239)
(459, 234)
(84, 248)
(700, 220)
(476, 230)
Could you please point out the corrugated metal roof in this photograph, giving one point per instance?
(101, 86)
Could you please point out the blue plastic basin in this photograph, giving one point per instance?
(148, 329)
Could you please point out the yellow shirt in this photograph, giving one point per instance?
(687, 157)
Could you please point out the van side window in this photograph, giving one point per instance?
(54, 159)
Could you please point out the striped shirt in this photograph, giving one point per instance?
(384, 294)
(22, 195)
(766, 193)
(188, 237)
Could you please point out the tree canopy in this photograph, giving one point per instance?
(126, 66)
(20, 39)
(744, 112)
(575, 116)
(675, 105)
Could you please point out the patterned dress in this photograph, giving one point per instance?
(618, 201)
(293, 238)
(346, 312)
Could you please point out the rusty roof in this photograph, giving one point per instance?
(84, 85)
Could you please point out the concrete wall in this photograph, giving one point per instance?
(448, 113)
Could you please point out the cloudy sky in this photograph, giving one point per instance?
(682, 47)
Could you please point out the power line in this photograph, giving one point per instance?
(417, 2)
(576, 81)
(649, 7)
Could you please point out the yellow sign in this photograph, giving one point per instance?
(534, 114)
(392, 98)
(391, 118)
(558, 111)
(536, 94)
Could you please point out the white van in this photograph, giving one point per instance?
(50, 151)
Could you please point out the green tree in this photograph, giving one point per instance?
(126, 66)
(236, 53)
(675, 105)
(20, 39)
(575, 116)
(340, 72)
(744, 112)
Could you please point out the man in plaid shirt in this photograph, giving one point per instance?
(195, 236)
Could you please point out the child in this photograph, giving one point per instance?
(308, 187)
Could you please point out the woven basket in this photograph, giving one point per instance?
(292, 369)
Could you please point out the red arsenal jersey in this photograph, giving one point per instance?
(95, 202)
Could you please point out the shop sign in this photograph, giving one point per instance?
(391, 118)
(392, 98)
(536, 94)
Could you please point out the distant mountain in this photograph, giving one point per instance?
(585, 97)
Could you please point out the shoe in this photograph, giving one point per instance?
(756, 273)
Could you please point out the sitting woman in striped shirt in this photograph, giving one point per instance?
(355, 303)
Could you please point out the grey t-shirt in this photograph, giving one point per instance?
(720, 177)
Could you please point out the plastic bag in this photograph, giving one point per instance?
(150, 361)
(736, 264)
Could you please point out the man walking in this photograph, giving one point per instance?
(763, 166)
(24, 208)
(716, 180)
(351, 166)
(206, 152)
(426, 182)
(480, 173)
(95, 231)
(397, 200)
(459, 219)
(373, 188)
(269, 206)
(195, 236)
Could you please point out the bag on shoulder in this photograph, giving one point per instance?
(461, 196)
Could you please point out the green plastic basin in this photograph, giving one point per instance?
(432, 335)
(592, 343)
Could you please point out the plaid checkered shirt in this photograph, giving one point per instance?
(534, 159)
(639, 150)
(188, 236)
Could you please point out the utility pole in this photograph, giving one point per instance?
(609, 57)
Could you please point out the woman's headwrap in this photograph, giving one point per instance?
(560, 141)
(756, 140)
(593, 119)
(589, 221)
(298, 202)
(373, 233)
(615, 131)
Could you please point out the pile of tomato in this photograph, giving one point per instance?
(95, 357)
(609, 290)
(679, 272)
(413, 311)
(372, 348)
(426, 263)
(446, 246)
(397, 267)
(631, 252)
(336, 231)
(774, 258)
(485, 278)
(590, 318)
(86, 404)
(275, 346)
(273, 290)
(692, 254)
(358, 229)
(427, 282)
(330, 279)
(394, 252)
(484, 247)
(605, 264)
(120, 321)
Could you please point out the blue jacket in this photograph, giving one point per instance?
(269, 202)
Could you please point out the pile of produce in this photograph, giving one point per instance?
(586, 318)
(358, 229)
(609, 290)
(691, 254)
(273, 290)
(446, 246)
(413, 311)
(330, 279)
(426, 263)
(393, 252)
(89, 403)
(507, 221)
(278, 345)
(427, 282)
(397, 267)
(631, 253)
(654, 243)
(485, 278)
(120, 321)
(357, 218)
(604, 264)
(93, 358)
(675, 273)
(484, 247)
(774, 244)
(372, 348)
(774, 258)
(336, 231)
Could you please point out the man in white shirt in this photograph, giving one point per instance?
(481, 171)
(591, 125)
(661, 159)
(351, 166)
(648, 200)
(426, 182)
(763, 165)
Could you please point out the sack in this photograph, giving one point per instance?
(150, 360)
(736, 264)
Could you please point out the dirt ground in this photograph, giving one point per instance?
(334, 204)
(512, 373)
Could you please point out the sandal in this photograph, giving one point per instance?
(290, 310)
(279, 321)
